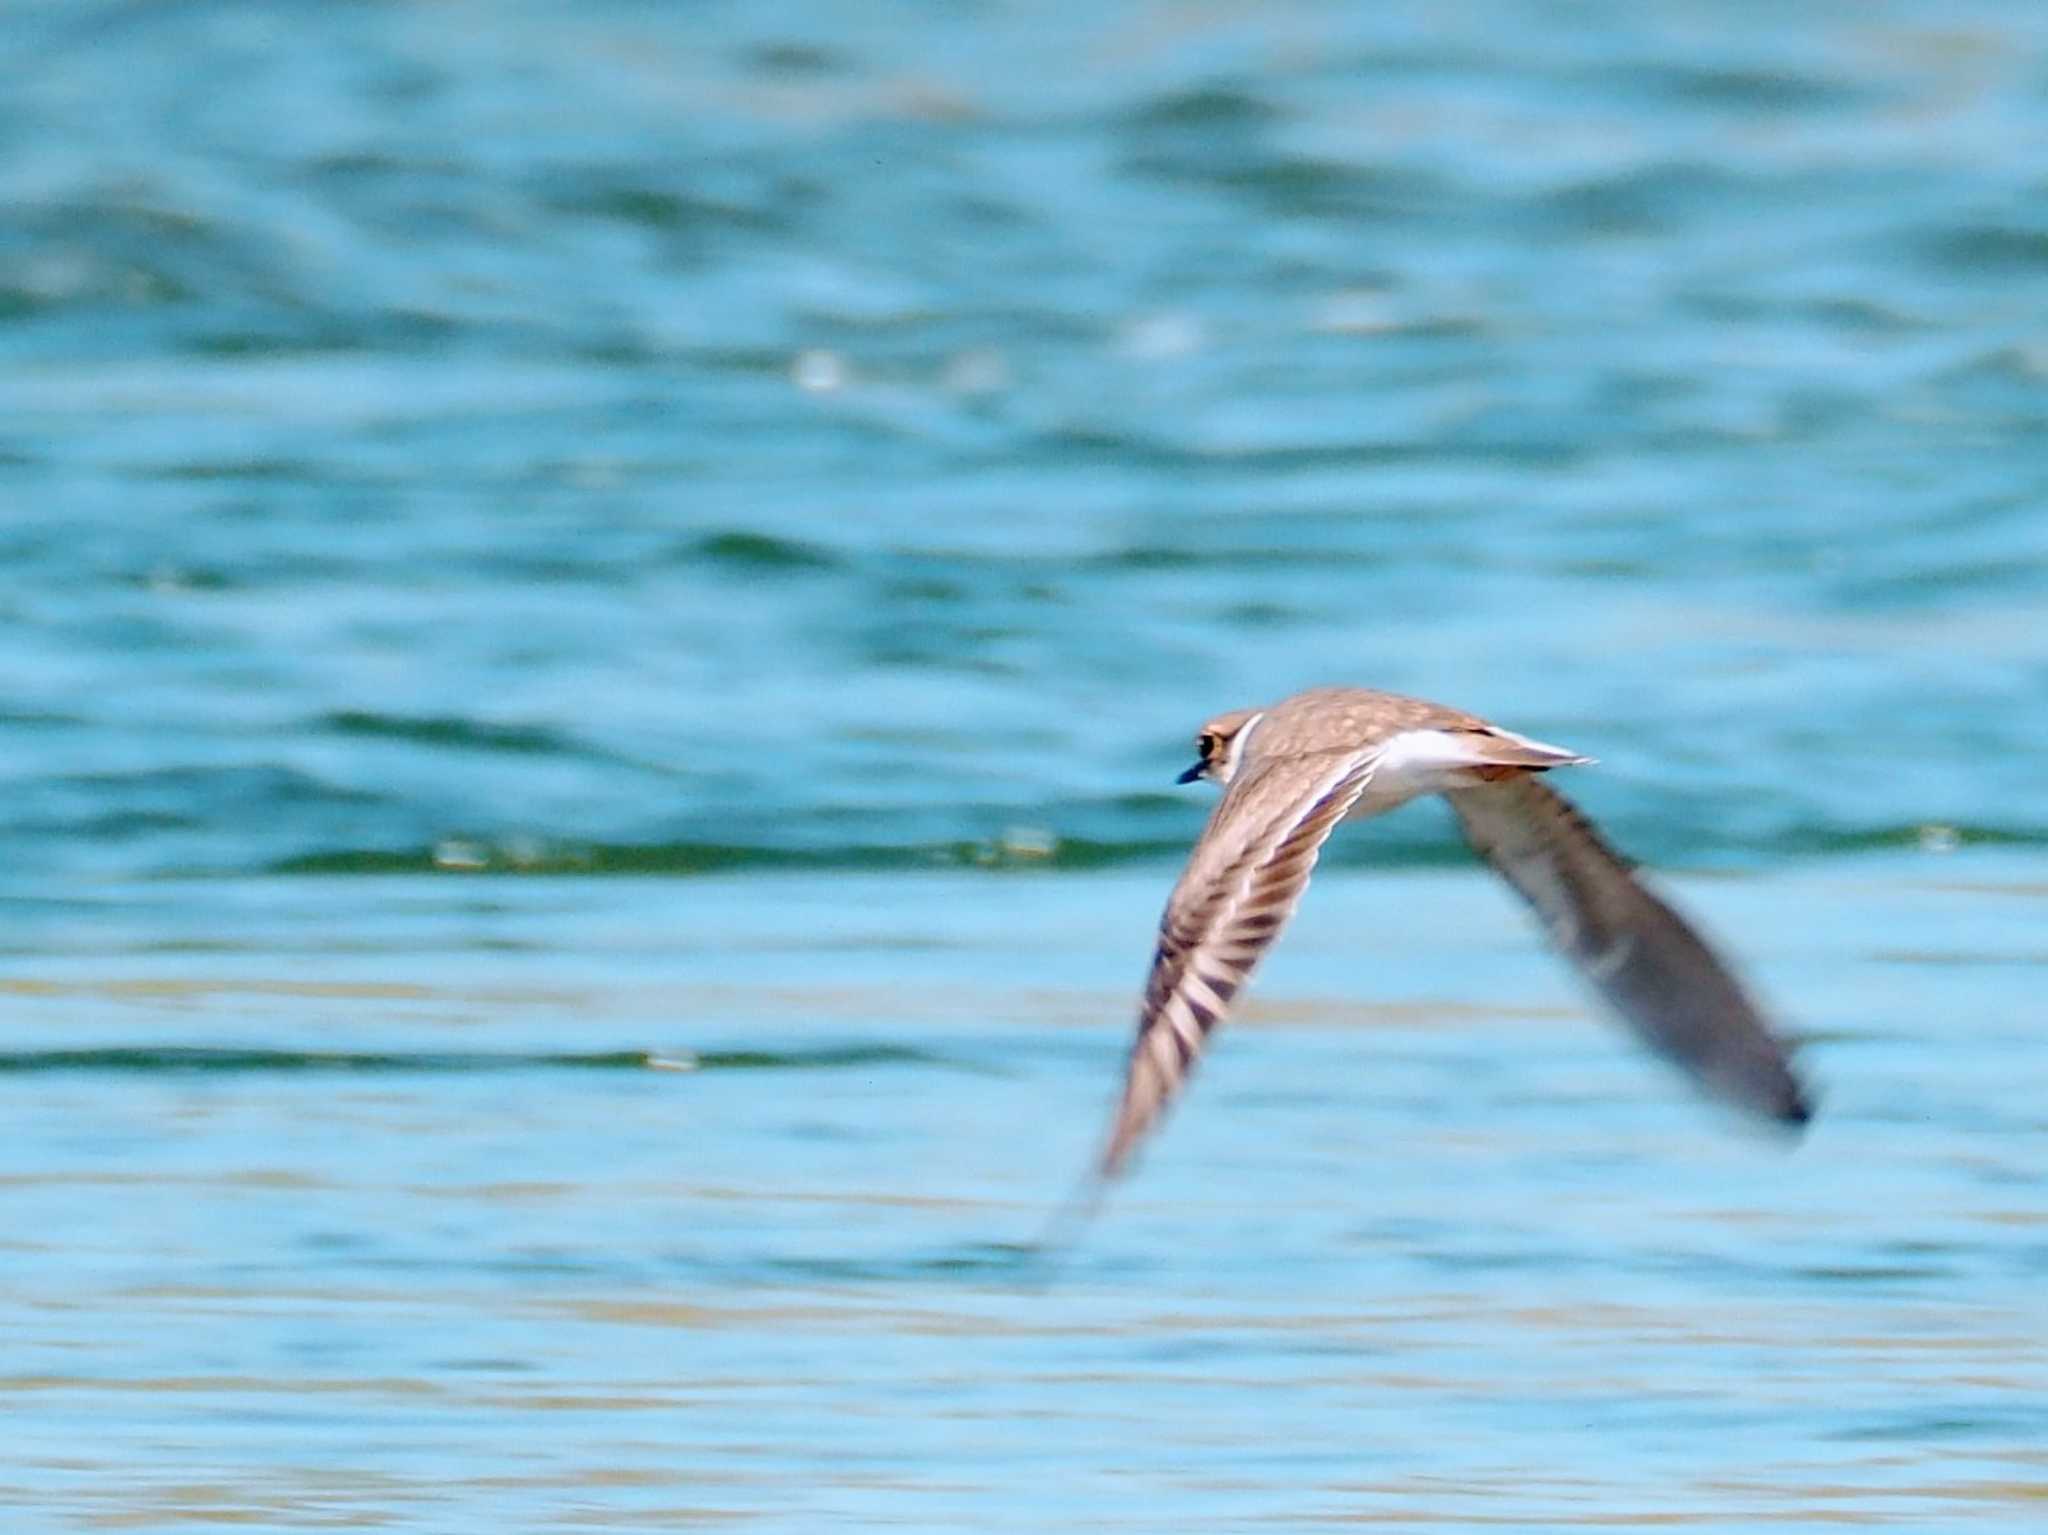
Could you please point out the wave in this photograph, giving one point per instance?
(1032, 849)
(1014, 850)
(231, 1060)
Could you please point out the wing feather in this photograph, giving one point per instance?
(1242, 883)
(1645, 959)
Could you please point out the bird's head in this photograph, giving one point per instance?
(1219, 746)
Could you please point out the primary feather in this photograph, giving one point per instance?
(1243, 884)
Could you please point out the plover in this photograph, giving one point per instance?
(1290, 772)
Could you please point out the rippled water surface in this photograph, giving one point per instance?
(600, 606)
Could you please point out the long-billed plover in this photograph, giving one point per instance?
(1292, 771)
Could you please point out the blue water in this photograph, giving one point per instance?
(600, 605)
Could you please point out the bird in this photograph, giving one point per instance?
(1294, 769)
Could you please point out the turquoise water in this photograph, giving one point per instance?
(601, 605)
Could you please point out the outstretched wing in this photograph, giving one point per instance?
(1643, 957)
(1241, 884)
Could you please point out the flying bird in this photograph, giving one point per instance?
(1290, 772)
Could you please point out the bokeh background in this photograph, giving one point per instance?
(543, 542)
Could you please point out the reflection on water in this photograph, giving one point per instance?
(601, 613)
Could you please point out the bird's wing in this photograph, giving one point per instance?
(1643, 957)
(1242, 883)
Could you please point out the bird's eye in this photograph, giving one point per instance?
(1205, 744)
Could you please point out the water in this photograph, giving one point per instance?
(600, 607)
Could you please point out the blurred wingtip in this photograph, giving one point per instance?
(1788, 1105)
(1109, 1167)
(1797, 1111)
(1063, 1229)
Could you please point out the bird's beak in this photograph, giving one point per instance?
(1193, 773)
